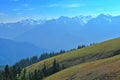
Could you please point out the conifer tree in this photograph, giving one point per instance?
(6, 73)
(44, 70)
(55, 67)
(24, 73)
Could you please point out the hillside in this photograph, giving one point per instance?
(104, 69)
(92, 53)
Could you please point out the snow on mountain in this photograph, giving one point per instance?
(63, 32)
(31, 22)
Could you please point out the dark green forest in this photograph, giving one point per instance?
(14, 72)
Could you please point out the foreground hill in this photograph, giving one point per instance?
(104, 69)
(12, 51)
(72, 58)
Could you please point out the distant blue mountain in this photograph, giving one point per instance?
(12, 51)
(67, 33)
(55, 34)
(12, 30)
(101, 28)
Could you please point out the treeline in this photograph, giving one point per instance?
(13, 72)
(10, 73)
(28, 61)
(44, 72)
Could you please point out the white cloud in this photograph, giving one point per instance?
(14, 0)
(25, 9)
(30, 9)
(74, 5)
(11, 18)
(52, 5)
(19, 14)
(16, 9)
(3, 14)
(65, 5)
(3, 17)
(26, 5)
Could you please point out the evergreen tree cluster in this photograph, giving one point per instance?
(28, 61)
(9, 73)
(81, 46)
(44, 72)
(12, 73)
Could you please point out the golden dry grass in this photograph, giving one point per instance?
(104, 69)
(72, 58)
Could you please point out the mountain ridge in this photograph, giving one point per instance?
(13, 51)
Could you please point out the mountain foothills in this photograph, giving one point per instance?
(13, 51)
(96, 62)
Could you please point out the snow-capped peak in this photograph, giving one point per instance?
(31, 22)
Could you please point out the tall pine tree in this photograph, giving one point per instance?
(6, 73)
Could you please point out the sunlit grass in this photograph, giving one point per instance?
(73, 57)
(95, 69)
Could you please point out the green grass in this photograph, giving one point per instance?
(95, 52)
(104, 69)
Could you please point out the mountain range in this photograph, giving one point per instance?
(66, 33)
(55, 34)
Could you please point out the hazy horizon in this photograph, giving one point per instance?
(16, 10)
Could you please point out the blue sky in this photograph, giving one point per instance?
(14, 10)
